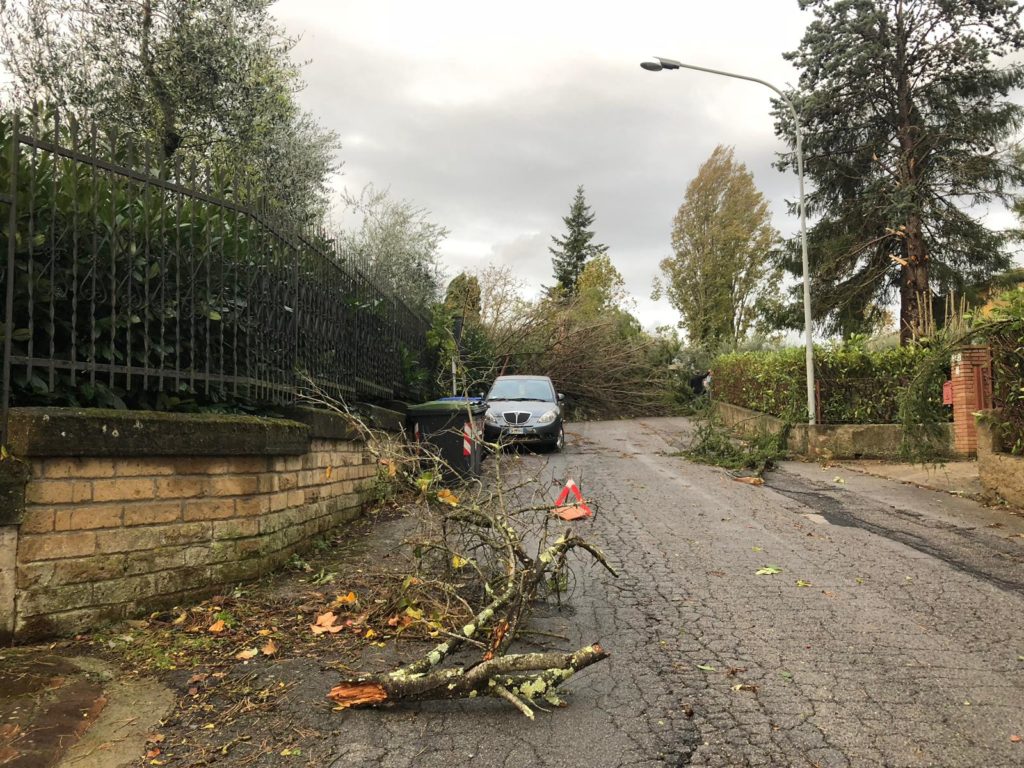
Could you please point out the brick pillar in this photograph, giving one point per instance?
(972, 392)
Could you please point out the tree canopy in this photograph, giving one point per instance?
(210, 81)
(396, 244)
(572, 250)
(906, 115)
(720, 276)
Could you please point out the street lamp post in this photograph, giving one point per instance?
(660, 64)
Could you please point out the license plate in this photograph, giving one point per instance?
(516, 431)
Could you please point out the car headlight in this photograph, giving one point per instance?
(548, 417)
(491, 418)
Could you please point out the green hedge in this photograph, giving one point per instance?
(855, 385)
(1005, 334)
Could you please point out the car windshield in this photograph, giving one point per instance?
(521, 389)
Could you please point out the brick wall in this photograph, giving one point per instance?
(103, 538)
(1001, 473)
(971, 373)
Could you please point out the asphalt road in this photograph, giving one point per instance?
(906, 648)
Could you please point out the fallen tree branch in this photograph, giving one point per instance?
(524, 677)
(481, 533)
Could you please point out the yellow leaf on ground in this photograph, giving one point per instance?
(248, 653)
(346, 599)
(750, 480)
(263, 632)
(459, 562)
(270, 648)
(370, 634)
(447, 497)
(218, 626)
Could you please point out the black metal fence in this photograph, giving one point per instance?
(131, 281)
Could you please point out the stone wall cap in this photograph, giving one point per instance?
(324, 424)
(98, 432)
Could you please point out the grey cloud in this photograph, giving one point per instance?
(504, 171)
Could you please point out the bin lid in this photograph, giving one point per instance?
(446, 406)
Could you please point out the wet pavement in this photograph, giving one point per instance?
(884, 629)
(46, 703)
(891, 635)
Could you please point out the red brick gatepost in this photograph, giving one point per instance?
(971, 369)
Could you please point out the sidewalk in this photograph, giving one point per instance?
(959, 478)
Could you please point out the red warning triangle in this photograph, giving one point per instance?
(577, 509)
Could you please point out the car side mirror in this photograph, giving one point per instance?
(561, 397)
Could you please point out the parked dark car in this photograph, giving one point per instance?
(524, 409)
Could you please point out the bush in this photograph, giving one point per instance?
(855, 385)
(1006, 337)
(172, 288)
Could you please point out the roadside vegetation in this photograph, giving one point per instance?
(746, 458)
(210, 91)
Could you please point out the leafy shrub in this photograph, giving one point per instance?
(1005, 334)
(171, 288)
(714, 444)
(855, 385)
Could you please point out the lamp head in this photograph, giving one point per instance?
(651, 66)
(668, 63)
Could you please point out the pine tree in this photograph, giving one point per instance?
(905, 114)
(572, 251)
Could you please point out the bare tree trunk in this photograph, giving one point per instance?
(915, 296)
(170, 139)
(914, 270)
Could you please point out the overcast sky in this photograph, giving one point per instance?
(490, 115)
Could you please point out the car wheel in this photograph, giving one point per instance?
(559, 443)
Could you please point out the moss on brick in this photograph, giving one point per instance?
(99, 432)
(13, 476)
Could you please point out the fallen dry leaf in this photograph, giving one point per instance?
(248, 653)
(348, 599)
(325, 623)
(750, 480)
(198, 677)
(1015, 739)
(745, 687)
(447, 497)
(263, 632)
(269, 649)
(733, 671)
(218, 626)
(154, 752)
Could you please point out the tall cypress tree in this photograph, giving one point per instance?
(573, 250)
(905, 116)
